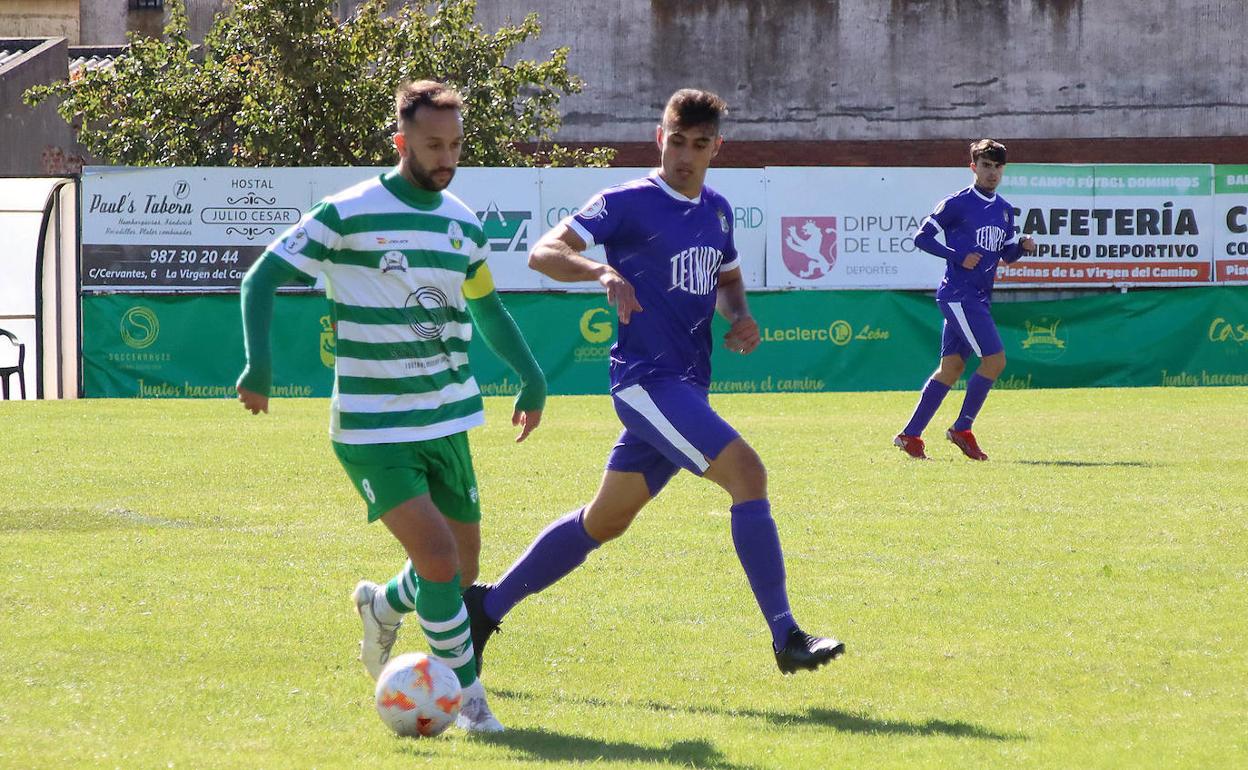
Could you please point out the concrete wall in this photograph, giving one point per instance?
(35, 141)
(106, 22)
(904, 69)
(39, 18)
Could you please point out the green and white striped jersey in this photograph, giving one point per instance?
(395, 258)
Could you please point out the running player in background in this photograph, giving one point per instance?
(671, 264)
(404, 267)
(978, 230)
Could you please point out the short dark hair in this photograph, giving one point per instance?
(691, 107)
(987, 148)
(424, 93)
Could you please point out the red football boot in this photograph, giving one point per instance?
(911, 445)
(965, 440)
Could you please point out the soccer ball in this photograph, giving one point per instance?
(417, 695)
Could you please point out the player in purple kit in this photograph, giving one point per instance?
(978, 230)
(671, 264)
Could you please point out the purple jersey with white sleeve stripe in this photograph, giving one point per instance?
(970, 221)
(672, 250)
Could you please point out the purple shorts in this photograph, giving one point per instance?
(668, 425)
(969, 330)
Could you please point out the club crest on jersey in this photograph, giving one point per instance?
(723, 222)
(296, 241)
(456, 234)
(392, 261)
(596, 207)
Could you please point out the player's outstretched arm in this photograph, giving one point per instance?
(558, 255)
(730, 301)
(257, 291)
(499, 330)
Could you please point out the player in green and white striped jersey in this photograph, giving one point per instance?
(404, 268)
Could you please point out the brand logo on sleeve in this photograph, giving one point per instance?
(296, 241)
(596, 207)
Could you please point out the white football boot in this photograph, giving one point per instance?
(474, 713)
(378, 637)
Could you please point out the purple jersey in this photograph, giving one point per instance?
(672, 250)
(970, 221)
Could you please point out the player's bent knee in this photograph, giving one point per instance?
(740, 471)
(604, 524)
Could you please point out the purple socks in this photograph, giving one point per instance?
(976, 392)
(758, 547)
(933, 393)
(559, 549)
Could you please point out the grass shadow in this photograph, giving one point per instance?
(1089, 463)
(562, 748)
(842, 721)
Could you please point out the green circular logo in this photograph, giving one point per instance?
(139, 327)
(841, 332)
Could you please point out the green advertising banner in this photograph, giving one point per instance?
(191, 346)
(150, 346)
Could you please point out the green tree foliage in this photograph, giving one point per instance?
(283, 83)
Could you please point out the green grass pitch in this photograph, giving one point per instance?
(176, 580)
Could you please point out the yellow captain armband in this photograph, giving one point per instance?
(479, 282)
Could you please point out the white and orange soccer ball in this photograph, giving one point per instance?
(418, 695)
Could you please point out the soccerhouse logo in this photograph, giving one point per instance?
(329, 342)
(808, 245)
(505, 230)
(596, 330)
(139, 327)
(426, 312)
(1045, 340)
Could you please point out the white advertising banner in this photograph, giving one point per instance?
(1112, 225)
(169, 229)
(853, 228)
(565, 190)
(1231, 229)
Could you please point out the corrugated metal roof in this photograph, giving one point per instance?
(82, 64)
(82, 58)
(7, 54)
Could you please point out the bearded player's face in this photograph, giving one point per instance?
(429, 146)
